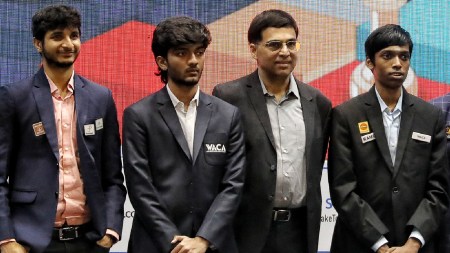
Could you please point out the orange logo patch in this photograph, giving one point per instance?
(364, 127)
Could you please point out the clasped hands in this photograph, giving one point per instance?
(411, 246)
(185, 244)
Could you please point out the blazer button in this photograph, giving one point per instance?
(395, 189)
(270, 198)
(272, 167)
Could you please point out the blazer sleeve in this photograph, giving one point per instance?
(352, 209)
(220, 215)
(112, 176)
(142, 193)
(6, 136)
(433, 206)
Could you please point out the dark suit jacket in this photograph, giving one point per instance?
(176, 194)
(374, 197)
(443, 103)
(255, 212)
(31, 163)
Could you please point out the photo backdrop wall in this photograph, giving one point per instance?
(116, 49)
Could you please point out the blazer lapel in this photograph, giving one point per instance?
(81, 104)
(169, 115)
(44, 102)
(405, 129)
(309, 111)
(204, 111)
(257, 99)
(375, 119)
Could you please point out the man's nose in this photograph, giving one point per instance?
(193, 60)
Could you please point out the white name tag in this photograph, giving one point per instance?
(99, 124)
(368, 137)
(89, 129)
(421, 137)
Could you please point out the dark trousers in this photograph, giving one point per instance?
(288, 236)
(79, 245)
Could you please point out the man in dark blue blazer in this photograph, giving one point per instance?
(183, 153)
(61, 184)
(443, 103)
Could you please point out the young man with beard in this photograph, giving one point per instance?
(387, 161)
(183, 152)
(61, 182)
(286, 132)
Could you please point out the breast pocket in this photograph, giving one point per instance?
(23, 197)
(215, 147)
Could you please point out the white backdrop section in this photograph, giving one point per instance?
(329, 216)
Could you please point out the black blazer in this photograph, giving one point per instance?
(176, 194)
(443, 103)
(31, 162)
(374, 197)
(255, 212)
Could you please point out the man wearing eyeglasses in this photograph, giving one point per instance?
(286, 131)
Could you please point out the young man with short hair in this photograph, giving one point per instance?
(61, 182)
(183, 152)
(387, 162)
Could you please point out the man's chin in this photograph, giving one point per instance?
(60, 64)
(189, 83)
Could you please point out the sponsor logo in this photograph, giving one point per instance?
(129, 214)
(38, 129)
(215, 148)
(329, 218)
(363, 127)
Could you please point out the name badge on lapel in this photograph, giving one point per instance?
(368, 137)
(421, 137)
(38, 129)
(99, 124)
(89, 129)
(447, 131)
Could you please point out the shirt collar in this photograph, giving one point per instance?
(54, 88)
(383, 105)
(176, 101)
(292, 87)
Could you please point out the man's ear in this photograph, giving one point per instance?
(162, 63)
(37, 44)
(369, 63)
(252, 47)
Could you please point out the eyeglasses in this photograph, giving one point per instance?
(276, 45)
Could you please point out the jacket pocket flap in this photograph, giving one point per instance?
(23, 196)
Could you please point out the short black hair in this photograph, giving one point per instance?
(53, 17)
(174, 32)
(270, 18)
(386, 36)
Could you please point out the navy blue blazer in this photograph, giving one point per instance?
(29, 160)
(172, 192)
